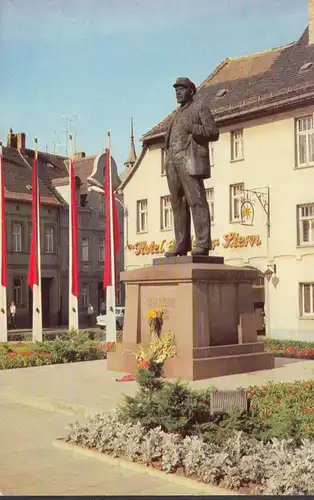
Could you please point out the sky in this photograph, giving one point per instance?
(101, 62)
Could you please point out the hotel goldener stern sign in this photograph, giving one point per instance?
(230, 240)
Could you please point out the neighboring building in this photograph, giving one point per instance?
(261, 191)
(54, 191)
(91, 216)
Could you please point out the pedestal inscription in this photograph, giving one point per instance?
(163, 297)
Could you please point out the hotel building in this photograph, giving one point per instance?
(261, 191)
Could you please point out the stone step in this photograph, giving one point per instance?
(227, 350)
(229, 365)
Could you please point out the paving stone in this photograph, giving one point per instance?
(30, 465)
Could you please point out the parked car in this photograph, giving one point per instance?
(102, 319)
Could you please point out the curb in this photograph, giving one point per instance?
(53, 406)
(141, 469)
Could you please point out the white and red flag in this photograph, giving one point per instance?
(73, 247)
(3, 258)
(112, 243)
(34, 265)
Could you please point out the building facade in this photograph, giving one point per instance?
(260, 193)
(54, 231)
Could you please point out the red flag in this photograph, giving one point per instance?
(74, 232)
(115, 222)
(32, 278)
(4, 276)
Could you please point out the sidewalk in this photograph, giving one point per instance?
(87, 387)
(30, 465)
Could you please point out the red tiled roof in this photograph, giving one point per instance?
(18, 178)
(45, 200)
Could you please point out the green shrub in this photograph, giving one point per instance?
(277, 410)
(170, 405)
(290, 348)
(68, 347)
(274, 468)
(287, 408)
(49, 336)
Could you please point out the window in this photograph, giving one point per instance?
(163, 158)
(306, 223)
(166, 213)
(236, 198)
(101, 204)
(237, 149)
(210, 200)
(307, 299)
(17, 238)
(142, 216)
(18, 291)
(306, 66)
(101, 249)
(85, 295)
(305, 141)
(85, 256)
(221, 93)
(49, 239)
(30, 237)
(211, 154)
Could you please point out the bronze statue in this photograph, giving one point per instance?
(187, 165)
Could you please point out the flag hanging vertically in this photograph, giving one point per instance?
(34, 266)
(32, 278)
(74, 232)
(111, 224)
(73, 236)
(3, 252)
(112, 243)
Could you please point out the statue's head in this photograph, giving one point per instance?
(185, 90)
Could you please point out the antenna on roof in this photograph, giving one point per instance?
(69, 120)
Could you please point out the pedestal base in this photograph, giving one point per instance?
(210, 308)
(219, 361)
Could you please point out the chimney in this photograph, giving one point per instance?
(11, 139)
(310, 8)
(20, 140)
(79, 156)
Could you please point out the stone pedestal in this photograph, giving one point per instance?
(209, 307)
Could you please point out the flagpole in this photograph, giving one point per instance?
(111, 304)
(73, 300)
(3, 270)
(37, 299)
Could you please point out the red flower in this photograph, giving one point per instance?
(251, 394)
(253, 406)
(278, 401)
(292, 393)
(143, 364)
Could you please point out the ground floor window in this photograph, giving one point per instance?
(307, 299)
(85, 295)
(18, 291)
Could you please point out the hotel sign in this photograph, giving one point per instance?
(229, 240)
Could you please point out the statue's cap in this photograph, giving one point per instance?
(184, 82)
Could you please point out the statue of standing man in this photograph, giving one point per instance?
(187, 165)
